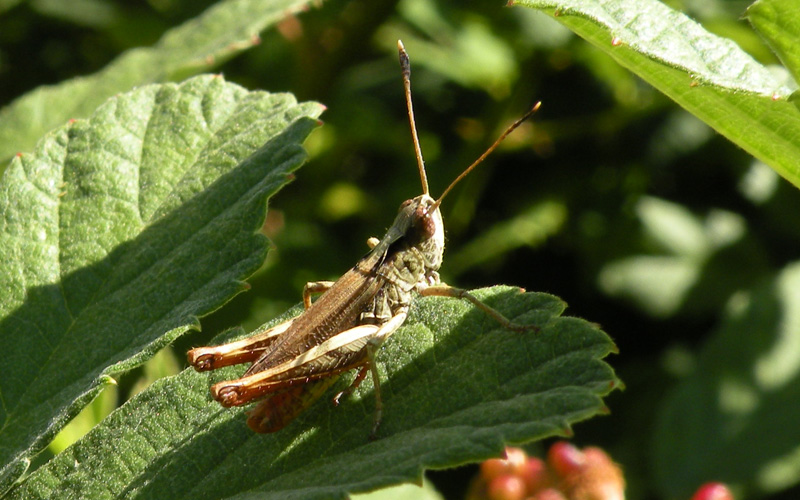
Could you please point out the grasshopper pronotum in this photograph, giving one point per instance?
(296, 361)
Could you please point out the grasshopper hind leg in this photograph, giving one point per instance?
(242, 351)
(280, 408)
(249, 349)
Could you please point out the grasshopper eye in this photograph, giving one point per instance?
(424, 223)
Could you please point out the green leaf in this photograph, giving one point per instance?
(402, 492)
(96, 14)
(778, 21)
(120, 230)
(660, 284)
(735, 419)
(204, 42)
(457, 388)
(708, 75)
(8, 4)
(466, 51)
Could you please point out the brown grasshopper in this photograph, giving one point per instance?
(295, 362)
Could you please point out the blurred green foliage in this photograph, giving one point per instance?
(633, 211)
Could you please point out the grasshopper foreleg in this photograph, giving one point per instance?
(314, 287)
(444, 290)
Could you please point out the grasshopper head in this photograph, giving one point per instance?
(423, 228)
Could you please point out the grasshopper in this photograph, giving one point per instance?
(296, 361)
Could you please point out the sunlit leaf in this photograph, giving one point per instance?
(120, 230)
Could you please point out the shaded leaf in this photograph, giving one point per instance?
(458, 388)
(204, 42)
(120, 230)
(734, 419)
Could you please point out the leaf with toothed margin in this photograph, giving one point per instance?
(752, 105)
(457, 387)
(120, 230)
(200, 44)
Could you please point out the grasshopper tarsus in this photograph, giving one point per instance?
(202, 362)
(362, 374)
(376, 382)
(373, 434)
(227, 396)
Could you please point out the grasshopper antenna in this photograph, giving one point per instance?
(405, 66)
(486, 153)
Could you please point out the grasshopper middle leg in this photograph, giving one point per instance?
(444, 290)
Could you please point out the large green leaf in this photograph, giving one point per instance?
(458, 387)
(221, 32)
(119, 230)
(735, 418)
(708, 75)
(778, 21)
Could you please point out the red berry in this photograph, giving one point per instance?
(535, 475)
(713, 491)
(516, 458)
(549, 494)
(596, 457)
(513, 463)
(565, 459)
(506, 487)
(494, 467)
(589, 474)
